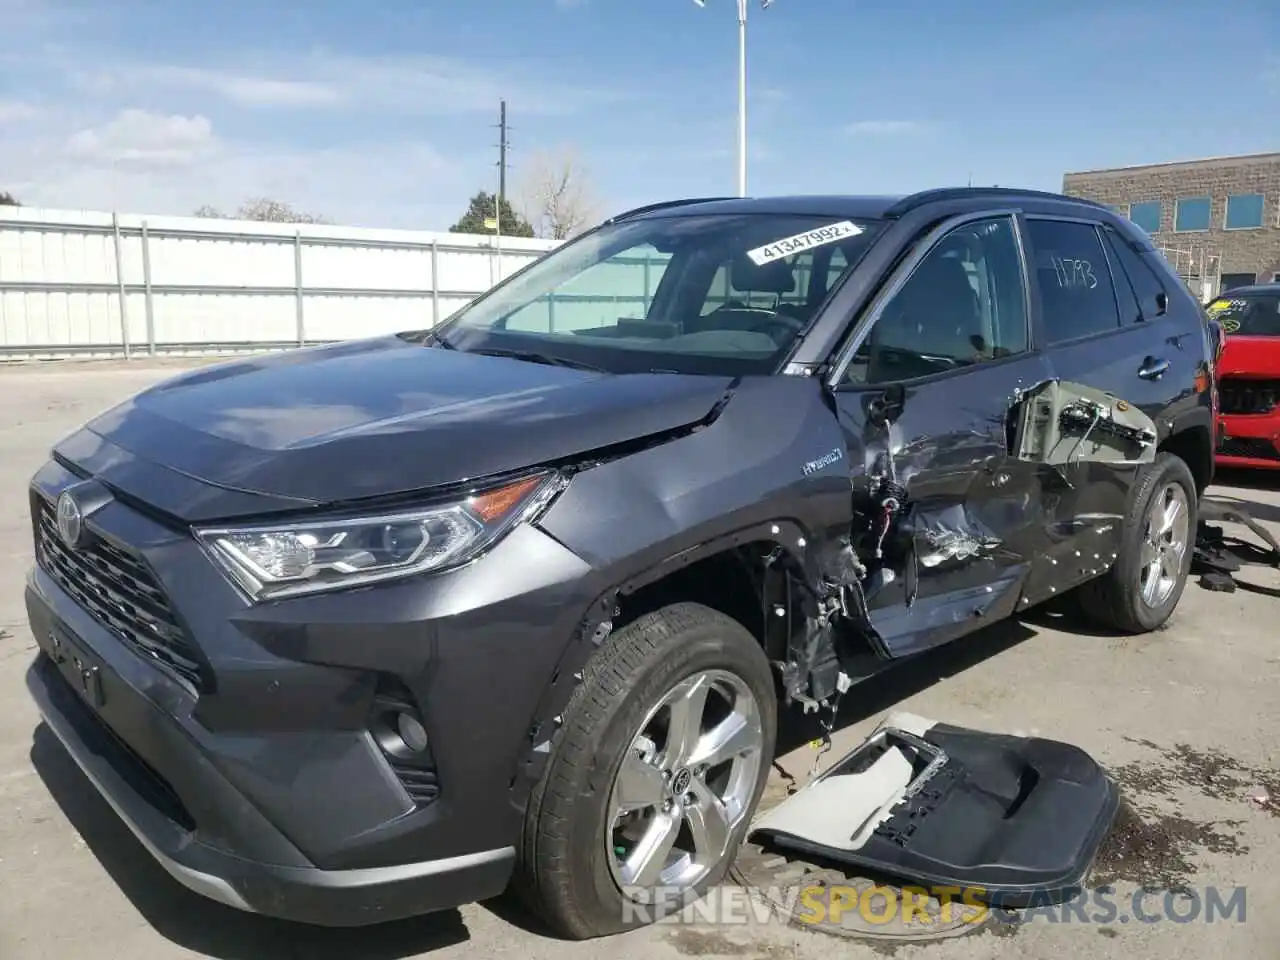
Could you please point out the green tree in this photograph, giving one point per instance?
(482, 208)
(8, 199)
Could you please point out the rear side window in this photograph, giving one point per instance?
(1075, 281)
(1141, 276)
(1126, 299)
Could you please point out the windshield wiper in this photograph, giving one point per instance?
(429, 337)
(534, 357)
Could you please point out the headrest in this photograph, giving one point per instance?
(776, 277)
(945, 276)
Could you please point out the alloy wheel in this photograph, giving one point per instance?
(685, 783)
(1164, 544)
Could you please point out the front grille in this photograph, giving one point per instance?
(1248, 447)
(1238, 395)
(120, 593)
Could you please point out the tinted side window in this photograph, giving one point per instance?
(964, 303)
(1126, 298)
(1075, 282)
(1146, 284)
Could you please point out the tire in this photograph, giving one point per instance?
(568, 875)
(1115, 600)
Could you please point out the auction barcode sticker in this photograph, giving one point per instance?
(803, 241)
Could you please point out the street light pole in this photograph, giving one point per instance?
(742, 98)
(742, 89)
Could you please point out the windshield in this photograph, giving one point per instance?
(1250, 314)
(724, 295)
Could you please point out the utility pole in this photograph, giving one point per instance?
(502, 153)
(502, 186)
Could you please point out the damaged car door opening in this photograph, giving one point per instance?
(710, 459)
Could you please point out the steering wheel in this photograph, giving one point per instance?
(786, 323)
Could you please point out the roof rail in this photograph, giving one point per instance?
(664, 204)
(960, 193)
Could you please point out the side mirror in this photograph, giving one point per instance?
(887, 407)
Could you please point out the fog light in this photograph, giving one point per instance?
(411, 732)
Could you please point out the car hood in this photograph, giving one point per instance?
(376, 418)
(1245, 356)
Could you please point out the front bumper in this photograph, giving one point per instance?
(299, 893)
(1249, 440)
(264, 785)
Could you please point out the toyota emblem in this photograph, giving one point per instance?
(70, 520)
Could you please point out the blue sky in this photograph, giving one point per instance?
(381, 112)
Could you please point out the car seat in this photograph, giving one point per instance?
(935, 315)
(745, 276)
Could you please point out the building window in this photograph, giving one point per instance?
(1146, 215)
(1244, 211)
(1231, 281)
(1191, 213)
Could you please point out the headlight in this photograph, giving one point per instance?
(288, 559)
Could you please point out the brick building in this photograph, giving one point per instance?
(1216, 220)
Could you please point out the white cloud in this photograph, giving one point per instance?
(99, 129)
(143, 138)
(415, 85)
(145, 162)
(245, 89)
(884, 128)
(16, 111)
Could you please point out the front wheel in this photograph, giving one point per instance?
(663, 755)
(1139, 593)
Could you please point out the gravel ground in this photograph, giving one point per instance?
(1186, 719)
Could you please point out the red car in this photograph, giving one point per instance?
(1249, 376)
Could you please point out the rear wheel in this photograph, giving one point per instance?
(1141, 590)
(663, 755)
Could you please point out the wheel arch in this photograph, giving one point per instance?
(1194, 446)
(689, 575)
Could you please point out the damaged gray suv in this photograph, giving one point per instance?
(362, 631)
